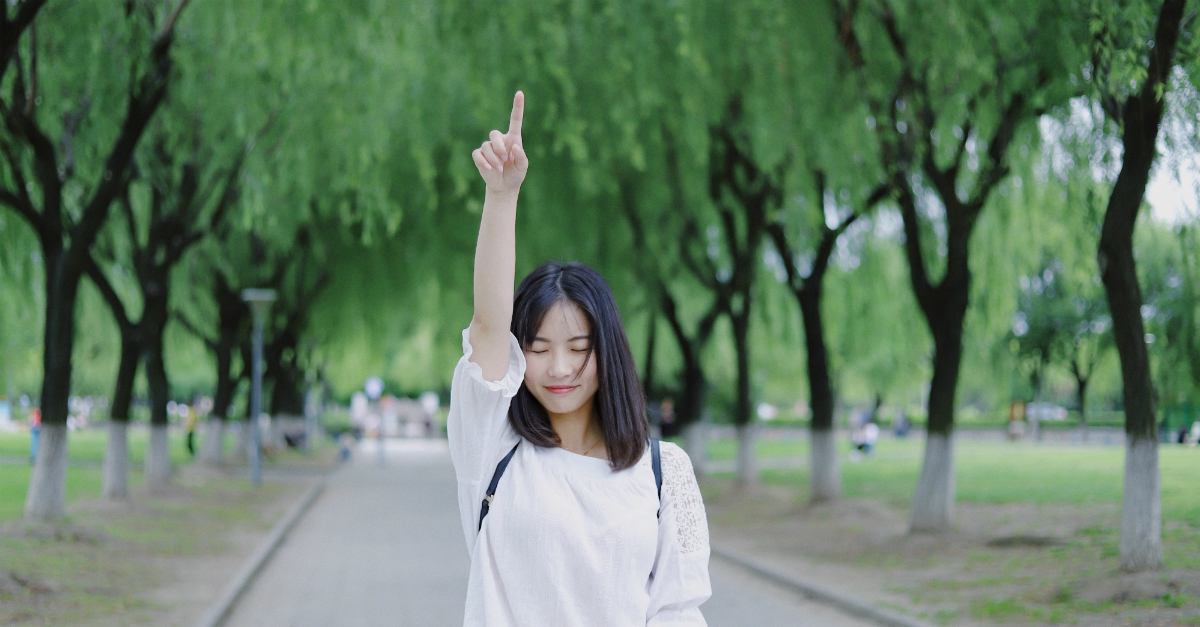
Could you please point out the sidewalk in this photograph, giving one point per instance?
(383, 545)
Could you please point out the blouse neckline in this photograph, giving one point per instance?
(580, 464)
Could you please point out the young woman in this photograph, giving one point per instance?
(576, 533)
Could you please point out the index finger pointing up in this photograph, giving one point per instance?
(518, 113)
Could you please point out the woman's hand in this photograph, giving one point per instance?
(501, 160)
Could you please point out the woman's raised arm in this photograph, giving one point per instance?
(502, 163)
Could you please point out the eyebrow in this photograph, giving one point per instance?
(576, 338)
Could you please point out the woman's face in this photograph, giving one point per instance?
(555, 372)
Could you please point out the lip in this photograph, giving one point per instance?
(561, 389)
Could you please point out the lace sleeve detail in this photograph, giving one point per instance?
(680, 488)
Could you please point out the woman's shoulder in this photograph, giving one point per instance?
(676, 465)
(672, 450)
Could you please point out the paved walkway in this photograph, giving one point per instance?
(383, 546)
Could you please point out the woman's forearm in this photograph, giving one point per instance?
(495, 262)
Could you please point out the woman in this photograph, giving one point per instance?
(576, 532)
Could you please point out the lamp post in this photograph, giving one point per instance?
(260, 302)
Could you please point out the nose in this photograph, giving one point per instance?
(561, 364)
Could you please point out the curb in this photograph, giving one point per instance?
(818, 593)
(216, 613)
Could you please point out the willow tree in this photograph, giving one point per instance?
(946, 114)
(1132, 96)
(180, 204)
(63, 172)
(327, 159)
(808, 287)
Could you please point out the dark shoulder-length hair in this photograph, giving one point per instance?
(619, 405)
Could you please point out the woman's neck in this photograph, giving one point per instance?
(576, 431)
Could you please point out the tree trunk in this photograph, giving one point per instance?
(241, 452)
(825, 478)
(158, 454)
(747, 467)
(933, 503)
(1037, 400)
(158, 459)
(651, 340)
(691, 403)
(1141, 508)
(115, 478)
(233, 314)
(695, 443)
(46, 497)
(116, 461)
(212, 452)
(1141, 513)
(126, 374)
(287, 390)
(744, 411)
(1081, 393)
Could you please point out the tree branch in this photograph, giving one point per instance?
(912, 244)
(131, 229)
(110, 295)
(183, 320)
(11, 30)
(143, 102)
(45, 162)
(32, 97)
(997, 167)
(19, 198)
(775, 230)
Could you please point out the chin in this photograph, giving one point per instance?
(559, 407)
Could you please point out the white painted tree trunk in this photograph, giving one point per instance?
(212, 451)
(694, 443)
(747, 468)
(823, 460)
(115, 478)
(46, 499)
(241, 452)
(158, 459)
(1141, 508)
(933, 502)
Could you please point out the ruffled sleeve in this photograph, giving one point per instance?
(679, 582)
(478, 427)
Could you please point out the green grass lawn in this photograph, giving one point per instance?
(87, 445)
(86, 452)
(81, 483)
(998, 473)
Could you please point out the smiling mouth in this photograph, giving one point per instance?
(561, 389)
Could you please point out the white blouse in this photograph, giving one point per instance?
(567, 542)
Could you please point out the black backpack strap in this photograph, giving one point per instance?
(491, 491)
(656, 465)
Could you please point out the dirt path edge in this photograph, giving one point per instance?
(821, 594)
(219, 610)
